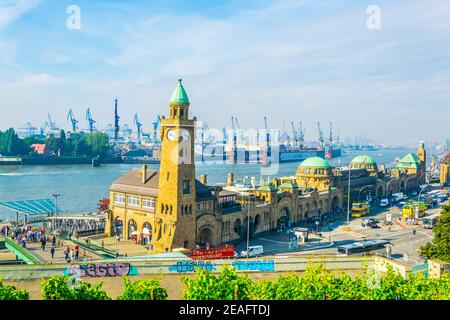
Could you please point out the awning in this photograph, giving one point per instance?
(31, 207)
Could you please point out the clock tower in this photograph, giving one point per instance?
(175, 224)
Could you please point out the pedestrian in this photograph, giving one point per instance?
(52, 251)
(71, 255)
(77, 252)
(66, 253)
(53, 240)
(43, 242)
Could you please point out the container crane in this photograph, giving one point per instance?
(321, 139)
(73, 121)
(90, 120)
(29, 130)
(138, 125)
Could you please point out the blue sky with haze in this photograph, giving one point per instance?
(289, 60)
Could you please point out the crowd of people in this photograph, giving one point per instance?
(24, 235)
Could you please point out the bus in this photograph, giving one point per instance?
(409, 210)
(360, 209)
(361, 247)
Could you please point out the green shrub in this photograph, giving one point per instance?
(58, 288)
(225, 286)
(9, 292)
(143, 290)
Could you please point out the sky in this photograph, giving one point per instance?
(289, 60)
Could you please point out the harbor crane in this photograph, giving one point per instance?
(321, 139)
(52, 124)
(234, 131)
(155, 128)
(138, 124)
(44, 128)
(301, 136)
(331, 133)
(29, 130)
(73, 121)
(109, 130)
(90, 120)
(116, 120)
(294, 135)
(126, 132)
(238, 127)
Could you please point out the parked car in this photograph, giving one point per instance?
(254, 251)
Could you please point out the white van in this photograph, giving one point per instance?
(254, 251)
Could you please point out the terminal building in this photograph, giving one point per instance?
(173, 209)
(445, 170)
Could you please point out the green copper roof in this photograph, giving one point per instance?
(409, 161)
(179, 95)
(289, 185)
(315, 162)
(422, 144)
(268, 188)
(363, 159)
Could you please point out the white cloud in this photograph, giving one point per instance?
(11, 10)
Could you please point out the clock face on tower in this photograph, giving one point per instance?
(171, 135)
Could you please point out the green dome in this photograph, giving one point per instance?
(315, 162)
(363, 159)
(409, 161)
(179, 95)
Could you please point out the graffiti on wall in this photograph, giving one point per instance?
(190, 266)
(259, 265)
(101, 270)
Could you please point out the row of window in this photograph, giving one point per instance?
(134, 201)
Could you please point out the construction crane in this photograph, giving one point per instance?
(155, 128)
(321, 139)
(73, 121)
(91, 121)
(138, 125)
(116, 120)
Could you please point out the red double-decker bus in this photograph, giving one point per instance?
(217, 252)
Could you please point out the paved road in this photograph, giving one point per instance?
(405, 243)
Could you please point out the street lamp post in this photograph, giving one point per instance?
(55, 195)
(348, 195)
(248, 224)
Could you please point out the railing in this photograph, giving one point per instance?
(22, 253)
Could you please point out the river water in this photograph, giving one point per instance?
(81, 186)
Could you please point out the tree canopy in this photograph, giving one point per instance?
(439, 247)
